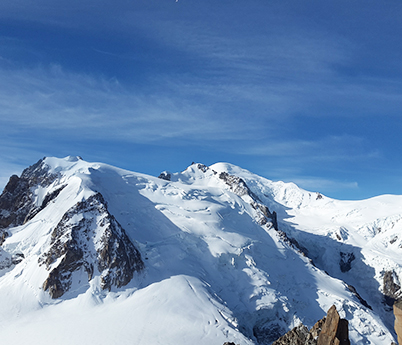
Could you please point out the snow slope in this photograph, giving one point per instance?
(215, 268)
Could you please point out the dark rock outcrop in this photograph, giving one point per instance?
(391, 288)
(89, 237)
(17, 199)
(15, 203)
(238, 186)
(165, 175)
(345, 262)
(203, 167)
(297, 336)
(293, 243)
(330, 330)
(300, 335)
(86, 237)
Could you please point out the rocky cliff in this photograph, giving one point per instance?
(222, 249)
(87, 237)
(398, 320)
(330, 330)
(17, 199)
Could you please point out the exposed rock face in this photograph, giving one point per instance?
(238, 186)
(398, 320)
(300, 335)
(297, 336)
(89, 237)
(345, 262)
(391, 287)
(330, 330)
(335, 330)
(165, 175)
(17, 200)
(292, 242)
(203, 167)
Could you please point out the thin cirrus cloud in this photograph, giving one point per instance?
(326, 149)
(318, 184)
(304, 84)
(57, 100)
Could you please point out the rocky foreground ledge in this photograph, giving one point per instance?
(398, 319)
(330, 330)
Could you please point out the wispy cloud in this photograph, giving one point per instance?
(319, 184)
(54, 99)
(325, 148)
(248, 80)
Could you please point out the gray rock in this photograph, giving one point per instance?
(297, 336)
(391, 288)
(165, 175)
(238, 186)
(17, 200)
(345, 262)
(330, 330)
(113, 255)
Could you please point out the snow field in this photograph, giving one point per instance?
(212, 273)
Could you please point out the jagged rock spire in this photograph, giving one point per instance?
(330, 330)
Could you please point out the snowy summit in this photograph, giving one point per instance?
(90, 253)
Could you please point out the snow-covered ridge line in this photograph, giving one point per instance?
(205, 255)
(86, 236)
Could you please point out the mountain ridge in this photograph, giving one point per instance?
(245, 246)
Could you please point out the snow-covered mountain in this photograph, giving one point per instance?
(95, 254)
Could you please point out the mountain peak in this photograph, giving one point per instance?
(210, 254)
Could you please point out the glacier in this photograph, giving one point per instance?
(95, 253)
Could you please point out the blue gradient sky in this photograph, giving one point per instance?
(302, 91)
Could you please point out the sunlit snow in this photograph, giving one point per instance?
(212, 273)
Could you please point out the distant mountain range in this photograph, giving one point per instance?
(90, 253)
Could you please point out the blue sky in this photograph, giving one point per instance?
(302, 91)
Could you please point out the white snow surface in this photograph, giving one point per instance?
(212, 273)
